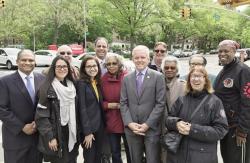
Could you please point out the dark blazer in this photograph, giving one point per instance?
(16, 110)
(90, 109)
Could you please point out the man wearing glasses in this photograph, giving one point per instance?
(199, 60)
(66, 52)
(160, 50)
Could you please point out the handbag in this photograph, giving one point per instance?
(172, 139)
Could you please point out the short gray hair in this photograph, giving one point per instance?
(141, 47)
(170, 59)
(118, 58)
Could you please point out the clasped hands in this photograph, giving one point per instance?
(29, 128)
(138, 129)
(183, 127)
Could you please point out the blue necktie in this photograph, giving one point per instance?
(139, 83)
(30, 88)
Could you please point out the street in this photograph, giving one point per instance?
(212, 67)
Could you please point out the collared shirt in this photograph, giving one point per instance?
(143, 72)
(102, 62)
(152, 63)
(31, 75)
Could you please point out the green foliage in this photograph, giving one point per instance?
(137, 21)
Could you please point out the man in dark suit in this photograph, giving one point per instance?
(142, 107)
(18, 94)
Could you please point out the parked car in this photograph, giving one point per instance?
(196, 51)
(44, 57)
(187, 53)
(237, 54)
(8, 57)
(78, 59)
(178, 53)
(213, 51)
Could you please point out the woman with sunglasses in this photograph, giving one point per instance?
(56, 115)
(90, 108)
(175, 87)
(111, 88)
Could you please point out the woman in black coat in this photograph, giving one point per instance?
(56, 115)
(90, 109)
(202, 132)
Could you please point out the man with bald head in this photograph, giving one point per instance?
(142, 106)
(66, 52)
(232, 86)
(18, 94)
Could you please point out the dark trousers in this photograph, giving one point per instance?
(231, 153)
(115, 143)
(93, 154)
(23, 155)
(67, 157)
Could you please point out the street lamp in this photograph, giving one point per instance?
(34, 37)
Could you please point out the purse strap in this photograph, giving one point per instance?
(198, 107)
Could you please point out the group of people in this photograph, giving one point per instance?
(47, 117)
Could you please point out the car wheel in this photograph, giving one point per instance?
(9, 65)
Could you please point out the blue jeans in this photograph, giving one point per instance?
(115, 144)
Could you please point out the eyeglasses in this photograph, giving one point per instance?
(101, 46)
(112, 63)
(162, 51)
(169, 68)
(196, 64)
(60, 67)
(193, 77)
(63, 53)
(91, 66)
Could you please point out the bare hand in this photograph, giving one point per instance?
(29, 128)
(240, 140)
(183, 127)
(143, 128)
(53, 145)
(88, 141)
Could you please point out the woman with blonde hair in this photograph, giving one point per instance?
(200, 118)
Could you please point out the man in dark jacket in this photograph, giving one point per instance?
(232, 86)
(160, 51)
(18, 94)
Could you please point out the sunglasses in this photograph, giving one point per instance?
(162, 51)
(112, 63)
(169, 68)
(63, 53)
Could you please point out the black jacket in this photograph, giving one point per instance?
(208, 126)
(90, 109)
(48, 121)
(232, 86)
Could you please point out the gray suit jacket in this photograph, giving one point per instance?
(16, 110)
(149, 106)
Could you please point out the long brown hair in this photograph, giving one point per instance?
(83, 74)
(208, 86)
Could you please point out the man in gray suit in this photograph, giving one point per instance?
(142, 106)
(18, 94)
